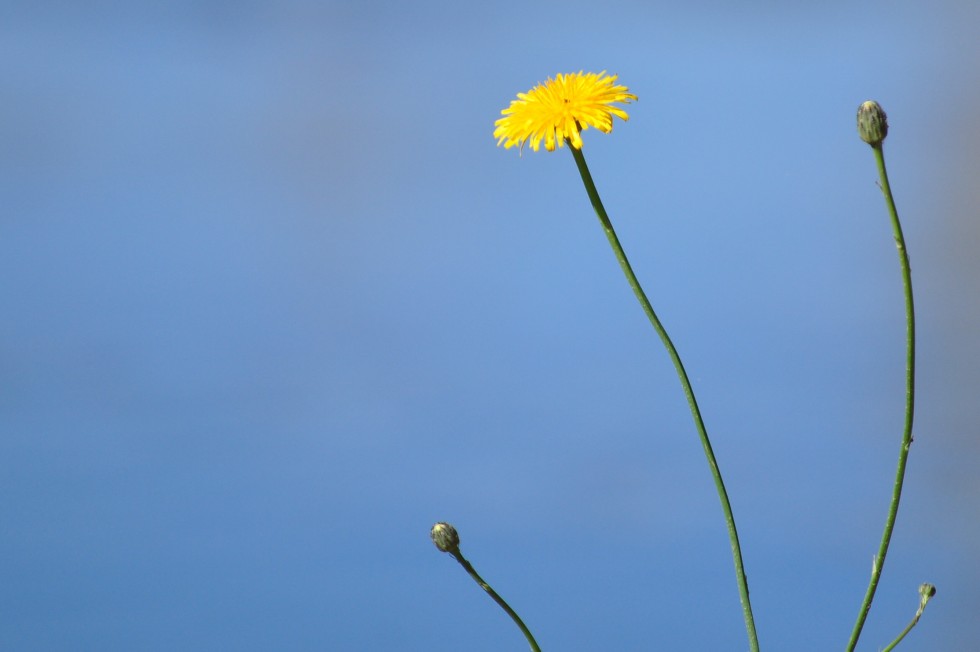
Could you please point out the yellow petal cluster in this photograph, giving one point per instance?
(560, 109)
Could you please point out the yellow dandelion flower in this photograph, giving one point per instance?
(560, 109)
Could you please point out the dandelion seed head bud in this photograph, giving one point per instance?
(872, 123)
(445, 537)
(926, 591)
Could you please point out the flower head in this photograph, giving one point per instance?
(872, 123)
(445, 537)
(560, 109)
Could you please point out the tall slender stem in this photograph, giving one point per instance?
(496, 598)
(879, 560)
(743, 586)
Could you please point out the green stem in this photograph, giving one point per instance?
(891, 646)
(879, 560)
(743, 586)
(496, 598)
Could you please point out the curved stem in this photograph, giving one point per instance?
(496, 598)
(743, 587)
(903, 454)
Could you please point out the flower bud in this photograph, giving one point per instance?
(872, 123)
(926, 591)
(445, 537)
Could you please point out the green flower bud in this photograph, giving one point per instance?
(445, 537)
(872, 123)
(926, 591)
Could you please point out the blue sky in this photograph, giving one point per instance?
(274, 303)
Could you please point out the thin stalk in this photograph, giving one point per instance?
(903, 454)
(743, 586)
(496, 598)
(926, 591)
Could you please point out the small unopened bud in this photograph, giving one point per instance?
(926, 591)
(872, 123)
(445, 537)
